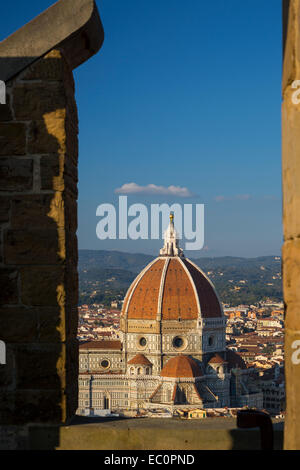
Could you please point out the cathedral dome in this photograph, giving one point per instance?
(181, 366)
(171, 287)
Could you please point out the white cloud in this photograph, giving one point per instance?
(133, 188)
(271, 198)
(239, 197)
(219, 198)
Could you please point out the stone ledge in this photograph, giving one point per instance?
(145, 434)
(74, 26)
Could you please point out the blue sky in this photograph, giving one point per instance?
(184, 94)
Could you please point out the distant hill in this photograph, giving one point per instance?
(104, 275)
(112, 259)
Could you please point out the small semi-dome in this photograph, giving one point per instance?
(181, 366)
(140, 359)
(217, 359)
(171, 287)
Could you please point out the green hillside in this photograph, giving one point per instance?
(105, 275)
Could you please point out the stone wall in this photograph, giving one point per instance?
(38, 248)
(291, 217)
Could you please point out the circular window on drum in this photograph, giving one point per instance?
(105, 364)
(142, 342)
(179, 343)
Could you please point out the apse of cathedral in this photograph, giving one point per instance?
(173, 350)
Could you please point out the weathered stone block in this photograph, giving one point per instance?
(292, 316)
(72, 369)
(52, 167)
(48, 291)
(51, 324)
(72, 248)
(292, 372)
(34, 246)
(5, 111)
(50, 67)
(4, 209)
(290, 166)
(71, 321)
(37, 211)
(9, 286)
(39, 406)
(41, 366)
(58, 173)
(71, 285)
(7, 407)
(71, 218)
(18, 324)
(16, 174)
(36, 100)
(7, 371)
(40, 140)
(71, 185)
(14, 437)
(12, 139)
(72, 140)
(291, 44)
(291, 271)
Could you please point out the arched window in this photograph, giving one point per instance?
(106, 403)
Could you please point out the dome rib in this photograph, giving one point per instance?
(193, 284)
(210, 304)
(161, 288)
(134, 285)
(179, 300)
(142, 302)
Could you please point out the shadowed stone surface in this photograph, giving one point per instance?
(146, 434)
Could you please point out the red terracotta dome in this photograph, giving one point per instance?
(140, 359)
(173, 287)
(217, 359)
(181, 366)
